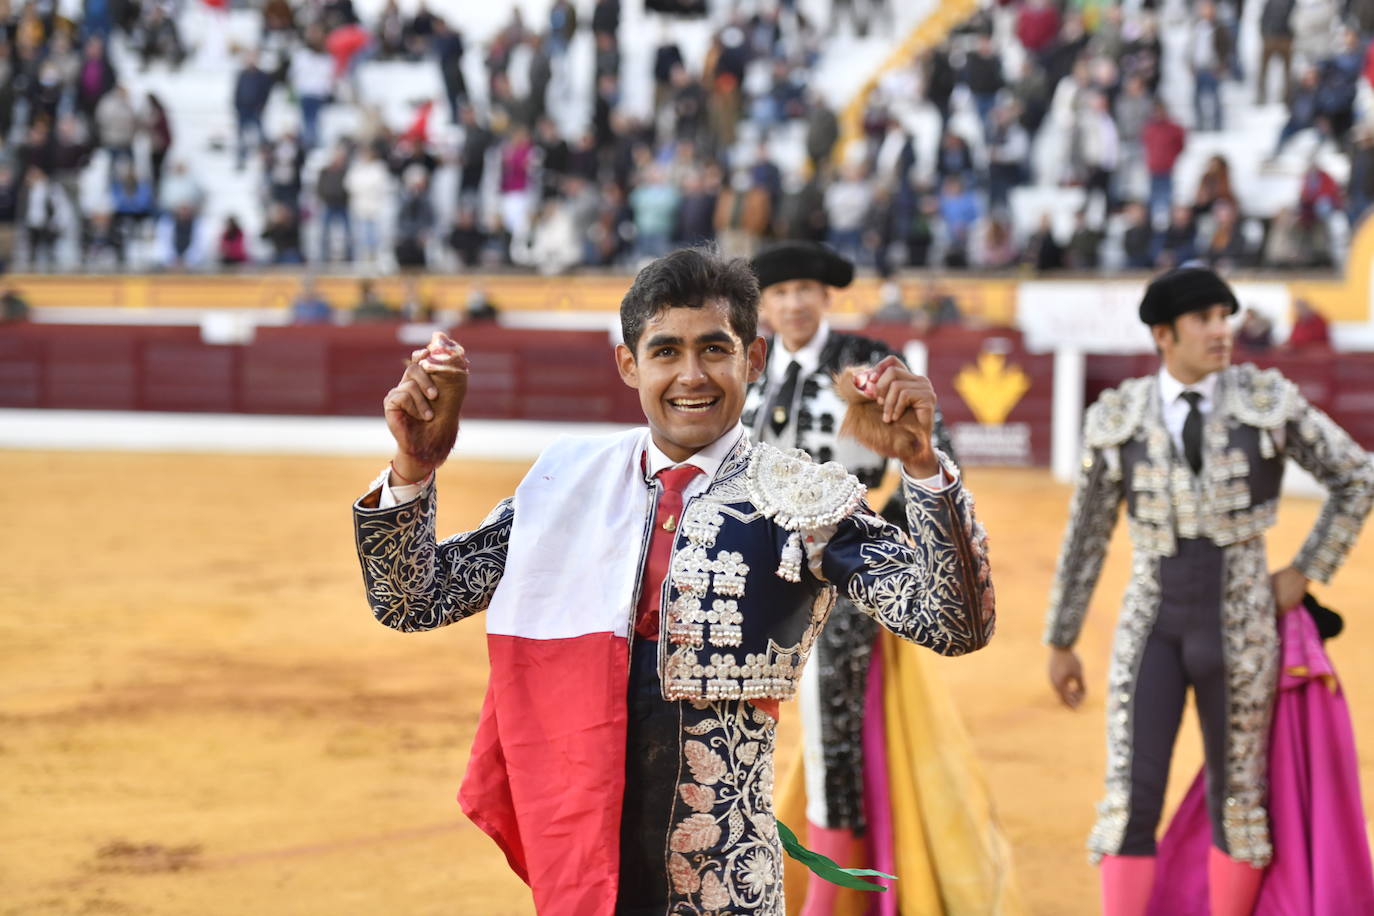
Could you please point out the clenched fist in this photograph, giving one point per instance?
(1066, 676)
(422, 410)
(892, 412)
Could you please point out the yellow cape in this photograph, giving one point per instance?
(949, 853)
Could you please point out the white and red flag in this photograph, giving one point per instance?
(547, 771)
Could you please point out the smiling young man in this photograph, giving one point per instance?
(652, 595)
(1197, 453)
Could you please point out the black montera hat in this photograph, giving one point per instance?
(801, 261)
(1182, 290)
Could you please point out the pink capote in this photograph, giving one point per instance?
(880, 833)
(1321, 861)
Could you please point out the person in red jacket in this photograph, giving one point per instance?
(1162, 139)
(1310, 329)
(1319, 195)
(1037, 26)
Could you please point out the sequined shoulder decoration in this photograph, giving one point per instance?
(1260, 397)
(1117, 413)
(797, 494)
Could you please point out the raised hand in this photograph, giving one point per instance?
(896, 413)
(422, 411)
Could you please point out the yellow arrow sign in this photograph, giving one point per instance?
(992, 388)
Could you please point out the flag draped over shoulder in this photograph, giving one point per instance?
(546, 774)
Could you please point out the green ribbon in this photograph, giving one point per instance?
(826, 868)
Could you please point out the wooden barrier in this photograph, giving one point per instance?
(327, 371)
(992, 392)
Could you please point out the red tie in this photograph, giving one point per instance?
(666, 519)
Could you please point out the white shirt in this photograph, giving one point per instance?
(369, 188)
(39, 193)
(1013, 147)
(808, 356)
(1176, 406)
(847, 204)
(1101, 141)
(312, 72)
(708, 459)
(1202, 49)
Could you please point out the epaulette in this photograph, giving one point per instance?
(1117, 413)
(798, 494)
(1260, 397)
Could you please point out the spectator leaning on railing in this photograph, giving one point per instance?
(283, 234)
(1310, 329)
(182, 241)
(1256, 333)
(233, 244)
(13, 307)
(309, 307)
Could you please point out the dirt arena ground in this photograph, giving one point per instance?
(198, 714)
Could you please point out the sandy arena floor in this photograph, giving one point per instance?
(198, 714)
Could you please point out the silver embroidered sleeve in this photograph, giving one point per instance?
(414, 583)
(934, 589)
(1326, 451)
(1092, 515)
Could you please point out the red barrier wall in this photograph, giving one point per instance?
(518, 374)
(524, 374)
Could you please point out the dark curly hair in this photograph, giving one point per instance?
(692, 278)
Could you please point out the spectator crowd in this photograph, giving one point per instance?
(739, 148)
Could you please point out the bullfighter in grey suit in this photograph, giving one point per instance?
(1197, 453)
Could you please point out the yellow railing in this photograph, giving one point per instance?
(1348, 297)
(929, 32)
(992, 299)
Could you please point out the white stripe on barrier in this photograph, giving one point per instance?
(1066, 418)
(99, 430)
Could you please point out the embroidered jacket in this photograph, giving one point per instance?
(1258, 422)
(843, 651)
(756, 563)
